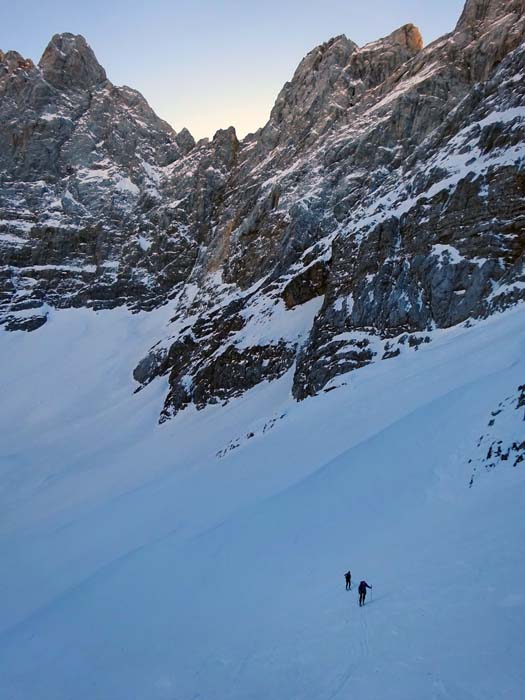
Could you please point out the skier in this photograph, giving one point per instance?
(348, 579)
(362, 592)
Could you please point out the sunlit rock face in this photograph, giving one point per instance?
(384, 198)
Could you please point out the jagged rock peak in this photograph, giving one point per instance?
(185, 140)
(69, 62)
(225, 135)
(13, 60)
(314, 76)
(226, 145)
(335, 51)
(408, 36)
(478, 12)
(331, 79)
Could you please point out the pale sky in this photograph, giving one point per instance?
(209, 64)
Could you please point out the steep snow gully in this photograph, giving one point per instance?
(204, 558)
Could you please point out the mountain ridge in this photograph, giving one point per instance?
(382, 199)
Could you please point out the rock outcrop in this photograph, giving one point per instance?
(383, 200)
(68, 63)
(80, 163)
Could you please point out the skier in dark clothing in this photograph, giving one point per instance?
(362, 592)
(348, 579)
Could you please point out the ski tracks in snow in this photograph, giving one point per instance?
(365, 644)
(359, 650)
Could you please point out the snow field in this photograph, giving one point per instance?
(137, 564)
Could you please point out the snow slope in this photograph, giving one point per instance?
(204, 558)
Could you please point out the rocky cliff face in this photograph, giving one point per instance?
(384, 198)
(79, 164)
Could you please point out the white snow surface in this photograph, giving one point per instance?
(124, 184)
(137, 565)
(269, 321)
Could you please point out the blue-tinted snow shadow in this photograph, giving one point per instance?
(375, 599)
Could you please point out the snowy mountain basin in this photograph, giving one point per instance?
(204, 557)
